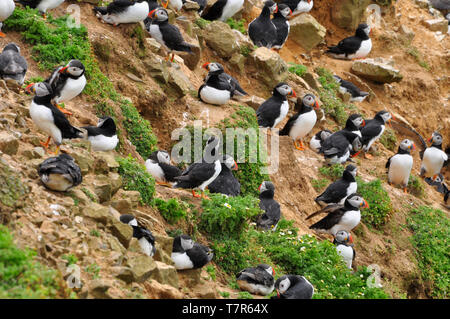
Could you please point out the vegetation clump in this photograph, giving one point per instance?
(172, 210)
(380, 205)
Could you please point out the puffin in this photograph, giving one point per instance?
(355, 47)
(142, 234)
(399, 166)
(166, 34)
(280, 20)
(13, 65)
(434, 158)
(49, 118)
(353, 124)
(67, 82)
(262, 31)
(6, 9)
(187, 254)
(41, 5)
(102, 137)
(226, 183)
(222, 10)
(219, 86)
(337, 147)
(340, 217)
(293, 287)
(346, 86)
(337, 192)
(200, 175)
(373, 130)
(344, 247)
(60, 173)
(123, 11)
(438, 183)
(299, 6)
(299, 125)
(274, 110)
(272, 211)
(316, 141)
(257, 280)
(160, 167)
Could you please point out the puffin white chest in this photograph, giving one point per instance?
(283, 112)
(103, 143)
(433, 160)
(347, 254)
(303, 125)
(71, 89)
(400, 168)
(48, 5)
(348, 221)
(6, 9)
(134, 13)
(363, 51)
(42, 117)
(303, 6)
(214, 96)
(156, 34)
(217, 170)
(155, 170)
(352, 188)
(258, 289)
(146, 246)
(182, 261)
(230, 9)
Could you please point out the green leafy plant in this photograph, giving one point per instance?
(95, 233)
(244, 295)
(415, 186)
(94, 270)
(88, 193)
(172, 210)
(71, 259)
(202, 23)
(224, 294)
(333, 172)
(389, 139)
(379, 202)
(319, 184)
(430, 239)
(415, 53)
(211, 271)
(297, 69)
(136, 178)
(238, 25)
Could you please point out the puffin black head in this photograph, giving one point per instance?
(284, 10)
(213, 67)
(337, 78)
(309, 101)
(159, 14)
(283, 89)
(363, 31)
(284, 283)
(435, 139)
(354, 122)
(40, 89)
(343, 237)
(352, 169)
(324, 134)
(12, 47)
(384, 116)
(406, 146)
(160, 156)
(129, 220)
(182, 243)
(230, 162)
(356, 201)
(107, 124)
(74, 68)
(267, 268)
(266, 186)
(273, 7)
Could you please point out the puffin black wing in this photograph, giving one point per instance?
(272, 213)
(233, 82)
(369, 131)
(195, 175)
(117, 6)
(200, 255)
(31, 3)
(225, 183)
(173, 39)
(388, 163)
(61, 122)
(346, 46)
(215, 11)
(292, 4)
(170, 171)
(334, 192)
(329, 221)
(267, 113)
(63, 165)
(287, 127)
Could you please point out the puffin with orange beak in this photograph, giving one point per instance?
(344, 247)
(6, 10)
(355, 47)
(293, 287)
(434, 158)
(166, 34)
(124, 11)
(257, 280)
(262, 31)
(282, 25)
(340, 217)
(373, 130)
(301, 124)
(275, 108)
(226, 183)
(346, 86)
(299, 6)
(399, 166)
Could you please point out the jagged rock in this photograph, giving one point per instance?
(154, 45)
(406, 33)
(11, 191)
(165, 274)
(220, 37)
(78, 195)
(299, 82)
(422, 3)
(206, 291)
(191, 5)
(377, 70)
(84, 160)
(179, 82)
(122, 231)
(105, 162)
(156, 67)
(115, 245)
(9, 144)
(123, 273)
(156, 290)
(134, 77)
(253, 101)
(348, 13)
(311, 81)
(98, 289)
(191, 60)
(125, 201)
(97, 212)
(238, 60)
(271, 69)
(190, 277)
(141, 266)
(436, 25)
(134, 246)
(114, 213)
(306, 31)
(116, 182)
(165, 243)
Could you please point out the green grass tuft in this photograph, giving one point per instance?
(379, 201)
(172, 210)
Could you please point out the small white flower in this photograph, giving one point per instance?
(227, 205)
(289, 232)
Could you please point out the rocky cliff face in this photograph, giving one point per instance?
(82, 228)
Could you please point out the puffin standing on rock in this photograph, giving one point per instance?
(355, 47)
(262, 31)
(275, 109)
(280, 20)
(60, 173)
(399, 166)
(200, 175)
(142, 234)
(257, 280)
(41, 5)
(293, 287)
(13, 66)
(123, 11)
(373, 130)
(316, 141)
(160, 167)
(299, 6)
(219, 86)
(166, 34)
(187, 254)
(226, 183)
(222, 10)
(6, 9)
(271, 208)
(103, 137)
(298, 126)
(434, 158)
(340, 217)
(48, 118)
(347, 86)
(337, 192)
(344, 247)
